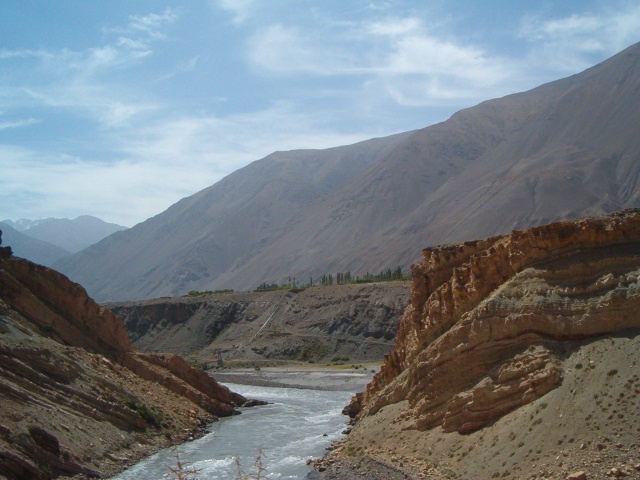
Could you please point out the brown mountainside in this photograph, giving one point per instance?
(75, 397)
(190, 245)
(518, 357)
(562, 150)
(559, 151)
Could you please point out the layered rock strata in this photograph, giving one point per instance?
(517, 358)
(487, 318)
(75, 397)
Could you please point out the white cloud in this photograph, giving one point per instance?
(151, 23)
(279, 49)
(22, 53)
(37, 184)
(132, 44)
(80, 80)
(146, 28)
(241, 9)
(158, 164)
(568, 44)
(222, 144)
(394, 27)
(411, 66)
(116, 114)
(423, 55)
(187, 66)
(18, 123)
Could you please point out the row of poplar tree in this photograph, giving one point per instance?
(341, 278)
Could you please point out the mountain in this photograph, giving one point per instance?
(518, 354)
(199, 238)
(77, 399)
(35, 250)
(22, 224)
(564, 149)
(72, 235)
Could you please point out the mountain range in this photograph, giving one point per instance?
(562, 150)
(43, 253)
(48, 240)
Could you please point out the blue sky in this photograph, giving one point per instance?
(118, 109)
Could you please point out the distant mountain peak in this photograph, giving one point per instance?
(47, 240)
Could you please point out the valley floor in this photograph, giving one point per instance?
(337, 378)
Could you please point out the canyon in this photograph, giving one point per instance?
(517, 357)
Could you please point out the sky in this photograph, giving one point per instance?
(119, 109)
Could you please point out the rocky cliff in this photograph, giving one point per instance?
(318, 324)
(75, 397)
(497, 331)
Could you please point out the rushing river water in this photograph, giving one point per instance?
(296, 425)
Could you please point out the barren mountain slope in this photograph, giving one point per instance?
(33, 249)
(562, 150)
(72, 235)
(191, 244)
(518, 357)
(354, 323)
(75, 397)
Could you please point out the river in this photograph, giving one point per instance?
(296, 425)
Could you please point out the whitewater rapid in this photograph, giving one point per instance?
(296, 425)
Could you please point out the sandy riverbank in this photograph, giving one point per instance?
(318, 378)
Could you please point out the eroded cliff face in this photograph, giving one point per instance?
(313, 324)
(75, 397)
(492, 324)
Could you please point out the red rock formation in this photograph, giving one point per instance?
(174, 373)
(488, 318)
(61, 309)
(73, 392)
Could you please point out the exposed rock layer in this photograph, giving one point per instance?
(492, 324)
(357, 322)
(477, 340)
(75, 397)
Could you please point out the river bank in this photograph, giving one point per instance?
(334, 378)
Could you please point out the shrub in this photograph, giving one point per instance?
(182, 470)
(150, 415)
(258, 465)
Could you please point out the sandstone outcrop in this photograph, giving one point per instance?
(494, 326)
(477, 340)
(75, 397)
